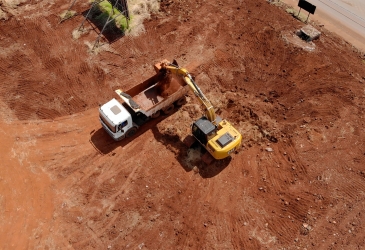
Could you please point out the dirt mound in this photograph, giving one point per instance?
(164, 84)
(297, 182)
(168, 84)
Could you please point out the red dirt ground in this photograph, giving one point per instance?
(66, 185)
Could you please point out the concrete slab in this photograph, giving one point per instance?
(309, 32)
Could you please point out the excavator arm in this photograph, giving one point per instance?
(176, 70)
(218, 136)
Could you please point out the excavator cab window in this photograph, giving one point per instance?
(203, 130)
(199, 135)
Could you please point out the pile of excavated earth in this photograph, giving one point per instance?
(297, 182)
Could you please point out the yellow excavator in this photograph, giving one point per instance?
(215, 134)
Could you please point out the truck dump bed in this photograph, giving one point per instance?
(149, 96)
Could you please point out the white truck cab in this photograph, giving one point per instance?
(115, 119)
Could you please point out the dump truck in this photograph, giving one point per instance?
(121, 117)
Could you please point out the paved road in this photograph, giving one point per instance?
(350, 12)
(344, 17)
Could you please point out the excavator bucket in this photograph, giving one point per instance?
(189, 141)
(158, 65)
(207, 158)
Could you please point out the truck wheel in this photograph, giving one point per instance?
(156, 114)
(181, 101)
(132, 131)
(169, 109)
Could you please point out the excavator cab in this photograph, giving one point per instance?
(203, 130)
(220, 140)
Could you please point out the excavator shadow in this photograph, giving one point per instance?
(191, 158)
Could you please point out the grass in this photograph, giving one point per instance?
(106, 9)
(139, 10)
(67, 14)
(294, 13)
(276, 3)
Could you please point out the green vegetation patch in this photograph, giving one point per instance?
(107, 9)
(294, 13)
(276, 3)
(67, 14)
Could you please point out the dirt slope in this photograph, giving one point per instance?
(297, 182)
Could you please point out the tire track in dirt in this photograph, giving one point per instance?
(100, 186)
(278, 178)
(59, 74)
(257, 232)
(282, 177)
(346, 219)
(103, 227)
(29, 203)
(248, 202)
(65, 170)
(351, 190)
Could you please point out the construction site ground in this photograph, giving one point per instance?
(298, 182)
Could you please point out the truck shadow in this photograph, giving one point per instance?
(190, 158)
(104, 144)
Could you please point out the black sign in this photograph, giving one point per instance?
(307, 6)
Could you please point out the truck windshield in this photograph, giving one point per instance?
(110, 126)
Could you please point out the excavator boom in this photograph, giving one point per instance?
(176, 70)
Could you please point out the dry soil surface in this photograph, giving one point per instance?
(298, 182)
